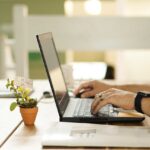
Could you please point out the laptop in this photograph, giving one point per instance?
(71, 109)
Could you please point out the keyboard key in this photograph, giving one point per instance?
(83, 108)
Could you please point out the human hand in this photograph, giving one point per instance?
(91, 88)
(119, 98)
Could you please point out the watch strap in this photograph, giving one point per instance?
(138, 99)
(137, 103)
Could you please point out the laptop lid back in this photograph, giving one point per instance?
(54, 71)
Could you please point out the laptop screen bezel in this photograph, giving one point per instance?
(66, 97)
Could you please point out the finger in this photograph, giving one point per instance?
(94, 104)
(88, 94)
(85, 85)
(98, 98)
(99, 106)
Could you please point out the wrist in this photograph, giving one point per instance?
(132, 97)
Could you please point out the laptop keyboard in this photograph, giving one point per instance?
(83, 108)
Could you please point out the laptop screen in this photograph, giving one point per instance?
(53, 69)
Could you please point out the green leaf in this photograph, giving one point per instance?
(13, 106)
(12, 83)
(11, 88)
(7, 85)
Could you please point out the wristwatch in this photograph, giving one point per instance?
(138, 100)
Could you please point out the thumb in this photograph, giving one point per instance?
(88, 94)
(84, 86)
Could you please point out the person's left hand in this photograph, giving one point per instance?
(119, 98)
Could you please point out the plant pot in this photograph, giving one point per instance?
(29, 115)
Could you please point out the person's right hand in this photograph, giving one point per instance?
(120, 98)
(91, 88)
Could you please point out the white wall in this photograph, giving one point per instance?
(111, 32)
(133, 65)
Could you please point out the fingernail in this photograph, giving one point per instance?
(93, 113)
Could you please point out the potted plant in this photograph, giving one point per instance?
(28, 105)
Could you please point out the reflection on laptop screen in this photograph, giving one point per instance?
(53, 70)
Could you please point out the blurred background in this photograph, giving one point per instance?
(103, 61)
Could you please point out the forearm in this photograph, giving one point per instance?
(146, 106)
(134, 87)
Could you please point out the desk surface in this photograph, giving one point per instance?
(29, 138)
(8, 120)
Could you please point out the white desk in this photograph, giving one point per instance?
(26, 138)
(29, 138)
(8, 120)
